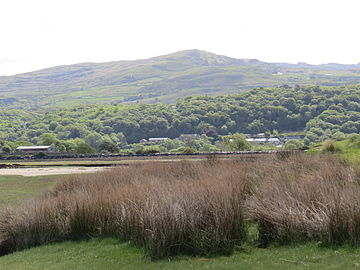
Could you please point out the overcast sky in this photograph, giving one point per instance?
(43, 33)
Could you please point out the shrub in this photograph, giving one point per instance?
(188, 150)
(152, 149)
(108, 146)
(236, 142)
(293, 144)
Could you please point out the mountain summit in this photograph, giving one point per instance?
(203, 58)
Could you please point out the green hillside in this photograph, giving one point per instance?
(321, 112)
(160, 79)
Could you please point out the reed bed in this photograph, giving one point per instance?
(193, 208)
(308, 198)
(196, 208)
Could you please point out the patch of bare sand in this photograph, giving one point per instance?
(50, 170)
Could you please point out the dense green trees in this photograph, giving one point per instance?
(108, 146)
(293, 144)
(47, 139)
(322, 112)
(236, 142)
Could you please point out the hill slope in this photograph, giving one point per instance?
(163, 78)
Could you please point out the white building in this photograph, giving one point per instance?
(157, 140)
(274, 141)
(36, 148)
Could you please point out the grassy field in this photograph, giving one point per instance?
(86, 162)
(109, 253)
(108, 161)
(47, 163)
(15, 189)
(348, 149)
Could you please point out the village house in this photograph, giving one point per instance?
(274, 141)
(151, 141)
(157, 140)
(36, 148)
(257, 140)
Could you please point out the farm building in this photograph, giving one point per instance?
(157, 140)
(36, 148)
(274, 141)
(257, 140)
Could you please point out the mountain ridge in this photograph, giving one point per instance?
(160, 79)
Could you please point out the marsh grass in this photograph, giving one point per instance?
(308, 199)
(192, 208)
(200, 208)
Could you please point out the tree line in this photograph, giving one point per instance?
(321, 112)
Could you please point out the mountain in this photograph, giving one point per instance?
(328, 66)
(160, 79)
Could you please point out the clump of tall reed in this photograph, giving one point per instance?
(196, 208)
(330, 146)
(308, 198)
(181, 207)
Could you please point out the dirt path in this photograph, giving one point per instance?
(50, 170)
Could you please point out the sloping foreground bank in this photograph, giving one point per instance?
(197, 208)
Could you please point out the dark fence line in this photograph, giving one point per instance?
(52, 155)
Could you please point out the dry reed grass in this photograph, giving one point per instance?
(183, 207)
(197, 208)
(308, 198)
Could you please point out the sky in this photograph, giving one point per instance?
(43, 33)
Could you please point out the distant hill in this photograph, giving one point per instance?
(160, 79)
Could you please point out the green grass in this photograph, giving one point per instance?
(347, 149)
(15, 189)
(350, 151)
(352, 155)
(66, 162)
(110, 254)
(119, 161)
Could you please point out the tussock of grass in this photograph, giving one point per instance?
(330, 146)
(308, 198)
(194, 208)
